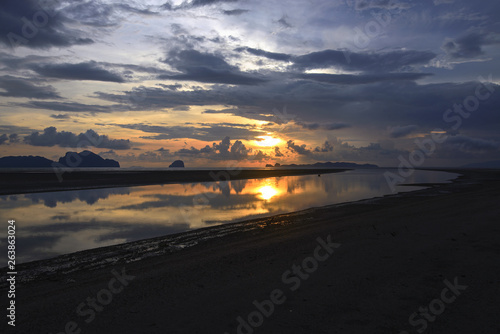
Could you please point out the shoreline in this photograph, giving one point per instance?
(395, 255)
(109, 255)
(13, 183)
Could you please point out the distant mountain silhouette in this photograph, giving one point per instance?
(332, 165)
(86, 159)
(25, 162)
(489, 164)
(71, 159)
(177, 163)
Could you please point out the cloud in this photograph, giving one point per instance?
(401, 131)
(12, 138)
(3, 139)
(323, 126)
(82, 71)
(194, 4)
(205, 132)
(299, 149)
(277, 152)
(51, 137)
(224, 150)
(18, 27)
(267, 54)
(60, 116)
(384, 4)
(359, 79)
(367, 62)
(283, 21)
(20, 87)
(470, 45)
(206, 67)
(440, 2)
(326, 147)
(235, 12)
(71, 106)
(468, 144)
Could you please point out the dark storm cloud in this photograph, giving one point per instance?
(323, 126)
(469, 144)
(209, 68)
(158, 98)
(208, 132)
(15, 128)
(402, 131)
(193, 4)
(470, 45)
(299, 149)
(3, 139)
(98, 14)
(347, 79)
(52, 137)
(234, 12)
(384, 4)
(368, 62)
(12, 138)
(267, 54)
(355, 61)
(20, 87)
(379, 104)
(36, 24)
(60, 116)
(277, 152)
(82, 71)
(199, 3)
(70, 106)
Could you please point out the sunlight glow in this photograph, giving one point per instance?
(268, 192)
(267, 141)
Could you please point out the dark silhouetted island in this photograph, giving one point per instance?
(86, 159)
(25, 162)
(177, 163)
(330, 165)
(70, 159)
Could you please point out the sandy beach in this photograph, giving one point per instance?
(419, 262)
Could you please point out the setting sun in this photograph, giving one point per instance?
(267, 141)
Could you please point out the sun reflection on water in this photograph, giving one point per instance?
(267, 192)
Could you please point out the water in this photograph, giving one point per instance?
(55, 223)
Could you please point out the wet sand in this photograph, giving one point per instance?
(362, 267)
(12, 182)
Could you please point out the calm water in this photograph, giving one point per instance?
(54, 223)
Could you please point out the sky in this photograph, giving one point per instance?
(247, 83)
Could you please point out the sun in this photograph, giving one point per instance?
(267, 141)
